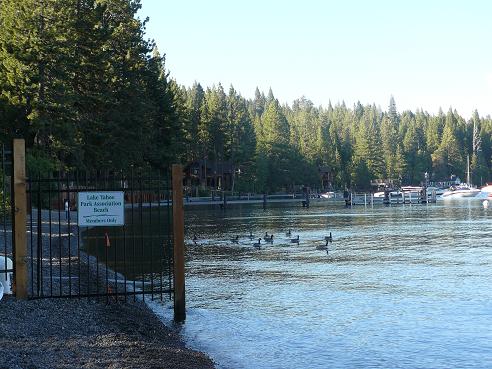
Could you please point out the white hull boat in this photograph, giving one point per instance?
(328, 195)
(486, 192)
(461, 191)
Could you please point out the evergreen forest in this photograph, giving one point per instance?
(86, 89)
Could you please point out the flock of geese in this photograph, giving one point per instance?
(268, 239)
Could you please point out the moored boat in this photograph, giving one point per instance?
(486, 191)
(460, 191)
(391, 194)
(463, 190)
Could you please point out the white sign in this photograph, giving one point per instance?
(101, 209)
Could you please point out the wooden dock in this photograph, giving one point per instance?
(392, 199)
(355, 198)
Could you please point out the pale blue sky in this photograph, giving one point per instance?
(427, 54)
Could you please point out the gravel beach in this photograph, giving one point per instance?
(85, 333)
(75, 333)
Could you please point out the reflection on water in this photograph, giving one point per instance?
(139, 250)
(401, 287)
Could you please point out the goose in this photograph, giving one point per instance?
(269, 239)
(288, 233)
(235, 239)
(257, 244)
(266, 235)
(195, 238)
(329, 238)
(251, 235)
(323, 247)
(295, 240)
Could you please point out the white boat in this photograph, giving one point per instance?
(412, 191)
(486, 191)
(392, 194)
(460, 191)
(416, 192)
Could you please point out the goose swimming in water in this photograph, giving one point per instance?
(269, 239)
(288, 233)
(251, 235)
(323, 247)
(329, 238)
(257, 244)
(235, 239)
(195, 238)
(295, 240)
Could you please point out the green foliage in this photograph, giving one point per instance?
(5, 201)
(82, 83)
(194, 101)
(213, 124)
(448, 158)
(40, 163)
(85, 89)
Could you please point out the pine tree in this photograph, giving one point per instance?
(194, 102)
(410, 153)
(166, 115)
(258, 104)
(434, 131)
(241, 139)
(448, 158)
(270, 98)
(34, 47)
(213, 126)
(479, 171)
(80, 75)
(375, 161)
(389, 138)
(275, 125)
(392, 112)
(177, 124)
(274, 146)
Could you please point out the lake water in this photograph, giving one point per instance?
(401, 287)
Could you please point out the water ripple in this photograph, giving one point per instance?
(400, 287)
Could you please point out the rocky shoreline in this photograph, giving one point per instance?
(72, 333)
(87, 333)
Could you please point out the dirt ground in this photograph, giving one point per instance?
(86, 333)
(62, 333)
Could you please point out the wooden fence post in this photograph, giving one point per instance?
(178, 232)
(20, 216)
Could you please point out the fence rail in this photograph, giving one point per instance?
(68, 260)
(7, 252)
(47, 252)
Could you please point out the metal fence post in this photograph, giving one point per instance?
(19, 218)
(178, 232)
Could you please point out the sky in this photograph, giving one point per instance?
(427, 54)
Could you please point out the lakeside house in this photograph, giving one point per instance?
(209, 173)
(381, 184)
(327, 175)
(219, 175)
(453, 181)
